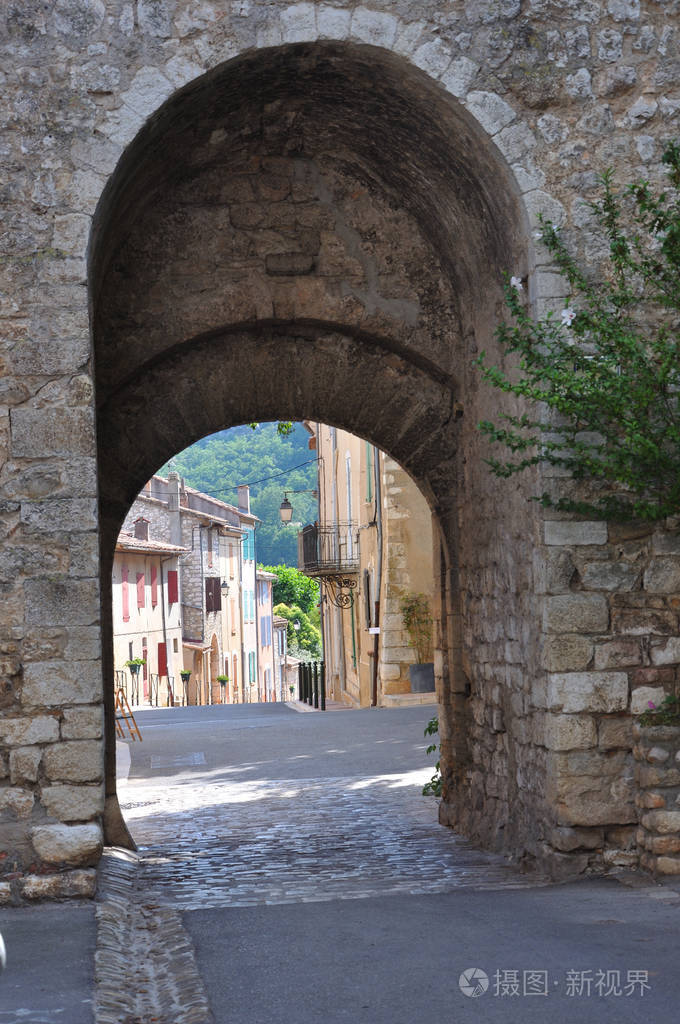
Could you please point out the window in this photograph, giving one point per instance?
(249, 544)
(173, 586)
(142, 529)
(175, 646)
(162, 660)
(251, 667)
(213, 594)
(154, 586)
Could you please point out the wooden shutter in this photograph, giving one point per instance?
(173, 588)
(141, 579)
(154, 586)
(162, 660)
(213, 594)
(126, 594)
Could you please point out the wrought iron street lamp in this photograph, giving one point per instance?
(286, 509)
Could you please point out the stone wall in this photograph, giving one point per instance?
(358, 177)
(657, 777)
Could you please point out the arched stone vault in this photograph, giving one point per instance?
(298, 236)
(362, 178)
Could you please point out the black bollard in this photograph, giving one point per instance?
(316, 685)
(323, 685)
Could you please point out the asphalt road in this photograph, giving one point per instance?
(593, 951)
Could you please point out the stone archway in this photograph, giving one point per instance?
(297, 236)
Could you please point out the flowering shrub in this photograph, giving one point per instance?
(608, 367)
(665, 713)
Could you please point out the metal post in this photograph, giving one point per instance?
(300, 683)
(323, 685)
(310, 691)
(316, 684)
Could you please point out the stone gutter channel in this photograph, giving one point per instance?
(145, 963)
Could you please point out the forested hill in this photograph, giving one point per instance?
(219, 463)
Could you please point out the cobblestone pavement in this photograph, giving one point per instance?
(268, 842)
(210, 837)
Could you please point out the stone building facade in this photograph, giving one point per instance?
(368, 503)
(238, 210)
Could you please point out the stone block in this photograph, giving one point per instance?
(621, 858)
(577, 533)
(5, 894)
(17, 732)
(641, 697)
(615, 733)
(618, 653)
(603, 692)
(18, 801)
(570, 732)
(24, 763)
(641, 622)
(492, 112)
(576, 613)
(67, 884)
(74, 761)
(649, 775)
(650, 801)
(657, 755)
(73, 803)
(664, 822)
(53, 602)
(82, 643)
(54, 683)
(566, 653)
(83, 723)
(665, 844)
(60, 515)
(665, 652)
(566, 839)
(609, 576)
(668, 865)
(662, 576)
(51, 431)
(68, 844)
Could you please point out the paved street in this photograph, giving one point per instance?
(294, 854)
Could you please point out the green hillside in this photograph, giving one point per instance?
(219, 463)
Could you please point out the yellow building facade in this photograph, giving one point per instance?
(370, 547)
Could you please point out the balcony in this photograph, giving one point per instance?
(329, 550)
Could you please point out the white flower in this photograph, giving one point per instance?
(516, 282)
(568, 316)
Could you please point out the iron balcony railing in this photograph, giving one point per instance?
(329, 549)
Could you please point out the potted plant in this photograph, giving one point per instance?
(223, 679)
(134, 664)
(415, 611)
(185, 673)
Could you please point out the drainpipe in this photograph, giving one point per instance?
(377, 518)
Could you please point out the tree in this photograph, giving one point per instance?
(272, 462)
(293, 588)
(307, 637)
(608, 367)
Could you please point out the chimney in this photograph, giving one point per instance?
(173, 509)
(244, 498)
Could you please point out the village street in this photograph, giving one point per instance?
(296, 855)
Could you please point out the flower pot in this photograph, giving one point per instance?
(422, 677)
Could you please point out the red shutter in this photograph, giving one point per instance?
(141, 579)
(126, 595)
(162, 660)
(173, 589)
(154, 586)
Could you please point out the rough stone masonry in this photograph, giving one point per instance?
(215, 212)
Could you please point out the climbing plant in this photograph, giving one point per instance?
(601, 378)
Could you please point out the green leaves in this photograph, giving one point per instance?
(601, 394)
